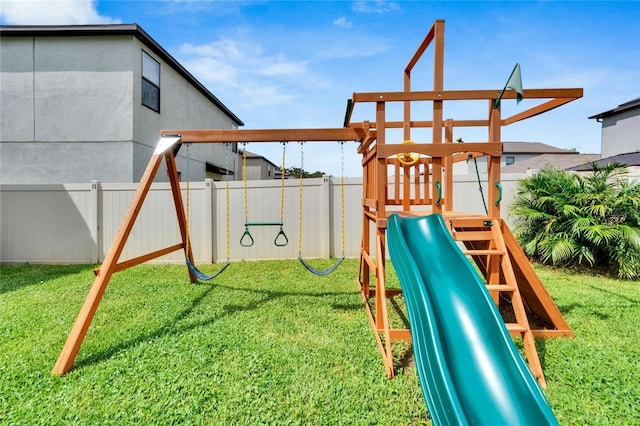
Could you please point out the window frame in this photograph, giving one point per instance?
(148, 80)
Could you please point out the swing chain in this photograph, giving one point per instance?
(282, 172)
(193, 270)
(281, 239)
(300, 215)
(243, 241)
(188, 201)
(300, 258)
(342, 196)
(244, 178)
(227, 147)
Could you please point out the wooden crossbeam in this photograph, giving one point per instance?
(269, 135)
(465, 95)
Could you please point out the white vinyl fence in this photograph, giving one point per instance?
(76, 223)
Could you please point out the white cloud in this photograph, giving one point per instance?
(342, 22)
(283, 68)
(52, 12)
(375, 6)
(243, 71)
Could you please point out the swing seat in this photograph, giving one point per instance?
(201, 276)
(321, 272)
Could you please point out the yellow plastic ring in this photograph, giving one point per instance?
(408, 159)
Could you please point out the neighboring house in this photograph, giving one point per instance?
(620, 138)
(518, 157)
(515, 152)
(558, 161)
(631, 160)
(258, 167)
(620, 129)
(83, 103)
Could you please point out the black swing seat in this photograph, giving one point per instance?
(201, 276)
(320, 272)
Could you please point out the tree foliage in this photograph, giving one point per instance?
(564, 218)
(296, 172)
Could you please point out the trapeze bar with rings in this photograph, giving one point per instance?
(280, 240)
(246, 240)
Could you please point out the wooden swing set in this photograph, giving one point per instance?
(409, 178)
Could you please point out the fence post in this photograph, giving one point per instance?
(93, 222)
(209, 228)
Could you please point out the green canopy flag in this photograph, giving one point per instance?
(514, 83)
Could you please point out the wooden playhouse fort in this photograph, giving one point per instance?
(407, 177)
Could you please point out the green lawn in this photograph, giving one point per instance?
(269, 343)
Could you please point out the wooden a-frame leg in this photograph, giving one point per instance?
(172, 170)
(79, 330)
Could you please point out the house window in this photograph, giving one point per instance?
(150, 82)
(510, 159)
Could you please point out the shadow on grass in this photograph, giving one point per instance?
(633, 302)
(173, 328)
(17, 276)
(593, 305)
(347, 306)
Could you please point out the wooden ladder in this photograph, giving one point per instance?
(484, 243)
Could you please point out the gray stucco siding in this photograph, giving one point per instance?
(83, 106)
(69, 162)
(16, 54)
(620, 133)
(16, 107)
(182, 106)
(106, 54)
(61, 89)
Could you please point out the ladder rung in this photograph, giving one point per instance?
(484, 252)
(515, 327)
(473, 235)
(471, 223)
(500, 287)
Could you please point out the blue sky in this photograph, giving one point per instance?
(294, 64)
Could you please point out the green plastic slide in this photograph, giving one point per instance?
(469, 368)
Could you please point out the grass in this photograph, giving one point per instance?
(269, 343)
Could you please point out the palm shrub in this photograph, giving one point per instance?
(568, 219)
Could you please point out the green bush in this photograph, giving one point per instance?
(568, 219)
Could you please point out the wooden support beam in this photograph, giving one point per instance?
(465, 95)
(90, 306)
(130, 263)
(537, 110)
(172, 171)
(493, 162)
(269, 135)
(440, 150)
(423, 46)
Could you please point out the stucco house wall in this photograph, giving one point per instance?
(72, 106)
(621, 133)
